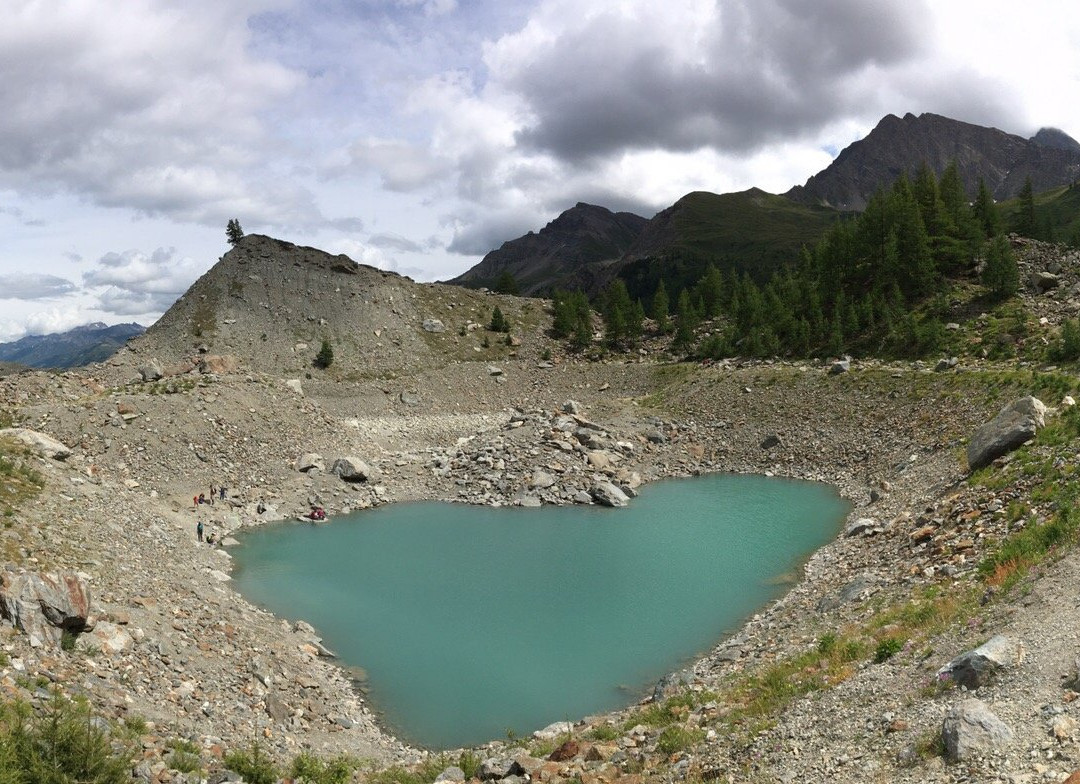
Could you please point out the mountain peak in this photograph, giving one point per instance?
(1056, 139)
(896, 146)
(562, 254)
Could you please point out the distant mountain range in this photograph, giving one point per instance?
(79, 346)
(755, 232)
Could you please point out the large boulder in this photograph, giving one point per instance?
(218, 363)
(310, 461)
(38, 443)
(151, 371)
(970, 728)
(1011, 428)
(45, 605)
(978, 667)
(607, 494)
(353, 469)
(110, 638)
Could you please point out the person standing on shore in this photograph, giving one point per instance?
(199, 530)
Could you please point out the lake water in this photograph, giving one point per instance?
(472, 621)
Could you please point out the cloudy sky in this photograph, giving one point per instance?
(416, 135)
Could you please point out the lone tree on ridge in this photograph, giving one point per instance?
(233, 232)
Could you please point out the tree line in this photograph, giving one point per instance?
(873, 284)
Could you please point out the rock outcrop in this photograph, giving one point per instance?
(971, 728)
(1011, 428)
(45, 605)
(38, 443)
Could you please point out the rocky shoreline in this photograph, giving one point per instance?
(200, 663)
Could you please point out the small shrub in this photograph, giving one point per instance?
(254, 765)
(470, 763)
(827, 644)
(136, 727)
(546, 355)
(67, 640)
(325, 357)
(308, 768)
(675, 739)
(603, 732)
(60, 743)
(184, 761)
(887, 648)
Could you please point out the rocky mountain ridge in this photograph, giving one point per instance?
(79, 346)
(902, 144)
(569, 253)
(754, 231)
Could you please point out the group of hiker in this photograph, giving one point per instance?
(202, 498)
(211, 539)
(217, 493)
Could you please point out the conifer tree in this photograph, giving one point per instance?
(233, 232)
(661, 308)
(1001, 274)
(507, 284)
(687, 322)
(498, 321)
(1025, 220)
(325, 357)
(986, 211)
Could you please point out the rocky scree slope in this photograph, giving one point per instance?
(267, 305)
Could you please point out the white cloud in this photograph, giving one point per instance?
(33, 285)
(155, 108)
(135, 283)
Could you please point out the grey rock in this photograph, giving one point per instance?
(310, 461)
(433, 325)
(276, 708)
(572, 407)
(541, 480)
(109, 638)
(672, 684)
(857, 589)
(971, 728)
(979, 667)
(607, 494)
(863, 525)
(452, 773)
(409, 398)
(772, 440)
(840, 366)
(553, 731)
(353, 469)
(499, 768)
(1014, 425)
(38, 443)
(151, 371)
(1043, 281)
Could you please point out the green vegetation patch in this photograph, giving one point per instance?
(60, 742)
(19, 482)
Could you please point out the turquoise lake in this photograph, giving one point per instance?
(472, 621)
